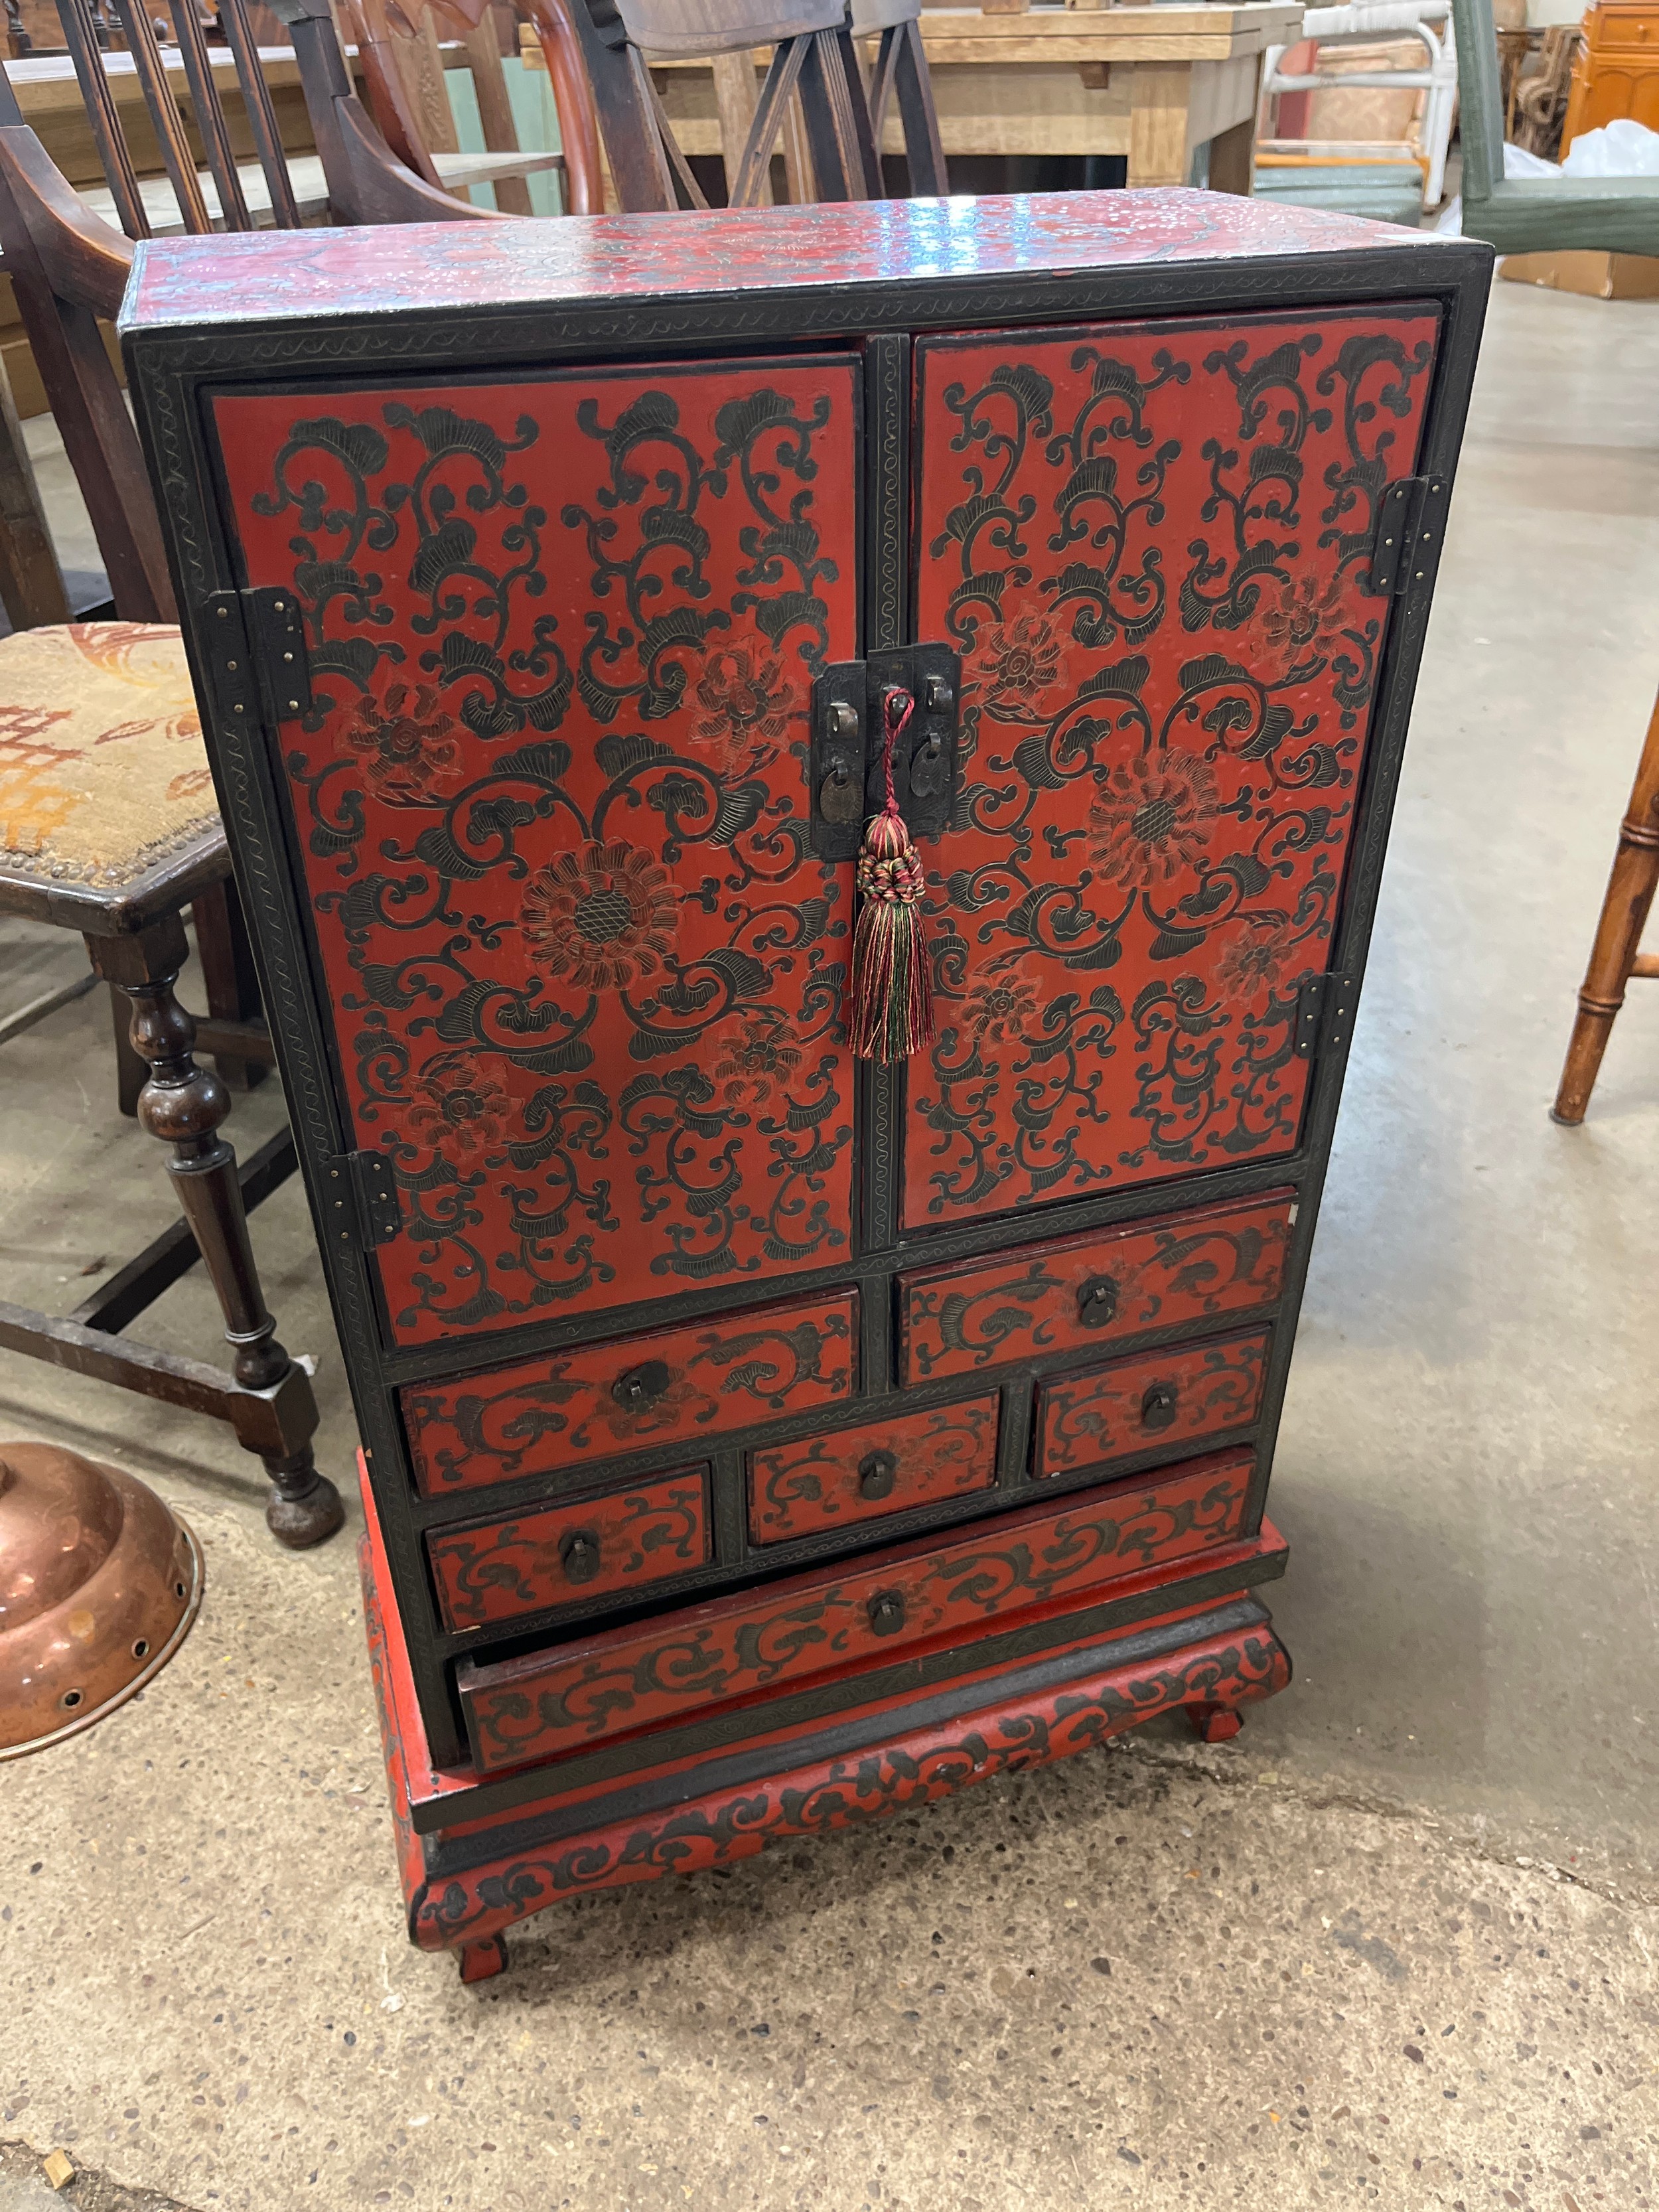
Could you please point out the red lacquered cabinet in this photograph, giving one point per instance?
(757, 1439)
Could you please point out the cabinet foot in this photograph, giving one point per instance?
(482, 1961)
(1215, 1723)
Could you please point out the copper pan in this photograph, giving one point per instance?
(99, 1584)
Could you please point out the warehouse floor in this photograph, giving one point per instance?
(1395, 1945)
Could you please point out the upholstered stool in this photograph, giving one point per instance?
(108, 826)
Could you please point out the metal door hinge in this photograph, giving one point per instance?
(256, 655)
(848, 785)
(1409, 529)
(1324, 1014)
(360, 1205)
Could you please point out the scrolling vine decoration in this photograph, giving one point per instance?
(553, 800)
(1151, 546)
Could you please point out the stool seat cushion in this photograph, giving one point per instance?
(104, 780)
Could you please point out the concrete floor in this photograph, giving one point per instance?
(1396, 1945)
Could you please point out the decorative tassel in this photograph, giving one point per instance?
(892, 1006)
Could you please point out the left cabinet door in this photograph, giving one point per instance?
(584, 973)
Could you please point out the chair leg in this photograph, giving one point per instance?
(130, 1072)
(183, 1104)
(1624, 916)
(228, 980)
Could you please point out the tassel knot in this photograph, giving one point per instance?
(892, 1006)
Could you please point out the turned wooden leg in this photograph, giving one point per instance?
(130, 1074)
(183, 1105)
(228, 980)
(1624, 916)
(1215, 1723)
(482, 1961)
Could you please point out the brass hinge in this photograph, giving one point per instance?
(1324, 1014)
(848, 785)
(1410, 526)
(360, 1205)
(256, 654)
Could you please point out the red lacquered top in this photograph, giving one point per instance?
(287, 275)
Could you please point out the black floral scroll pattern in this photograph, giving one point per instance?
(635, 1677)
(1128, 791)
(491, 1428)
(680, 889)
(508, 1567)
(1085, 1420)
(974, 1316)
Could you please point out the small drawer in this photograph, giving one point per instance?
(1163, 1397)
(1046, 1557)
(599, 1401)
(911, 1459)
(1086, 1291)
(497, 1569)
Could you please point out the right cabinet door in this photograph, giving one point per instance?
(1151, 543)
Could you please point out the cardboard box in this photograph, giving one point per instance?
(1599, 276)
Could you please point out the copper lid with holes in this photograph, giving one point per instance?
(99, 1585)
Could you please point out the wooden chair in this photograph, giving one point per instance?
(108, 827)
(1615, 957)
(812, 55)
(899, 69)
(413, 44)
(1609, 214)
(377, 166)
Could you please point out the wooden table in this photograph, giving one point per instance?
(1152, 83)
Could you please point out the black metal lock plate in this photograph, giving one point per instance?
(642, 1386)
(886, 1613)
(579, 1555)
(845, 771)
(1157, 1407)
(876, 1474)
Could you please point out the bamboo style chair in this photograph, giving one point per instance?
(108, 824)
(1610, 215)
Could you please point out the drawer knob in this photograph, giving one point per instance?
(642, 1386)
(1096, 1302)
(579, 1555)
(886, 1611)
(876, 1474)
(1157, 1407)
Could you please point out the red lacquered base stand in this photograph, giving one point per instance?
(469, 1872)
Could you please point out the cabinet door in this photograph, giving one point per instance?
(1151, 543)
(551, 808)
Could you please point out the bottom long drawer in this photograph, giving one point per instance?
(1046, 1557)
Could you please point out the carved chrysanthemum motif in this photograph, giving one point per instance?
(997, 1007)
(760, 1058)
(1021, 659)
(603, 916)
(745, 702)
(1301, 625)
(1255, 960)
(1150, 820)
(410, 747)
(457, 1106)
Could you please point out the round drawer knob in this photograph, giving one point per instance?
(886, 1611)
(1157, 1407)
(579, 1555)
(876, 1474)
(1096, 1302)
(642, 1386)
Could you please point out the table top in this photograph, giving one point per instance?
(1210, 31)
